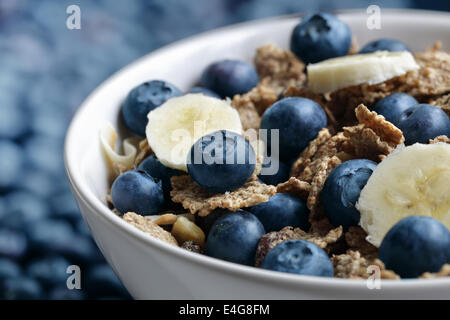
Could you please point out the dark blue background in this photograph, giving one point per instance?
(46, 71)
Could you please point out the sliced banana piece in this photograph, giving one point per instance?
(117, 162)
(173, 127)
(411, 181)
(371, 68)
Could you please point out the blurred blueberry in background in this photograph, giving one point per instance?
(8, 269)
(46, 72)
(62, 293)
(12, 124)
(50, 271)
(102, 282)
(11, 161)
(21, 288)
(13, 244)
(22, 208)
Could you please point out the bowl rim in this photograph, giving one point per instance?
(86, 195)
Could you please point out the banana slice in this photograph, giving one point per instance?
(173, 127)
(371, 68)
(412, 180)
(117, 162)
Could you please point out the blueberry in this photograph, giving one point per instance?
(341, 191)
(280, 211)
(12, 121)
(83, 252)
(299, 120)
(3, 210)
(415, 245)
(62, 293)
(13, 244)
(39, 183)
(101, 281)
(300, 257)
(221, 161)
(143, 99)
(55, 128)
(157, 170)
(206, 222)
(205, 91)
(319, 37)
(44, 154)
(82, 228)
(49, 236)
(64, 207)
(47, 230)
(77, 249)
(11, 164)
(138, 192)
(393, 105)
(229, 77)
(9, 269)
(267, 175)
(21, 288)
(49, 271)
(109, 298)
(384, 45)
(423, 122)
(234, 237)
(21, 209)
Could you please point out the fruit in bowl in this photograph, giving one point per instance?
(334, 144)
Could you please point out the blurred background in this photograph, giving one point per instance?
(46, 70)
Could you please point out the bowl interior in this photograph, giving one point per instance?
(181, 63)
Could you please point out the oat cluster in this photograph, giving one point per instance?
(352, 265)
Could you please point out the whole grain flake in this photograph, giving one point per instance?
(148, 226)
(295, 187)
(202, 202)
(373, 137)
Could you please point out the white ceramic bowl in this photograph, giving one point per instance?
(151, 269)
